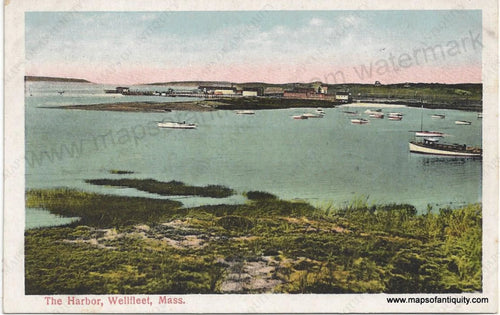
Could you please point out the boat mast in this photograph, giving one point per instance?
(422, 119)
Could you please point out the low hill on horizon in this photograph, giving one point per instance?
(315, 83)
(54, 79)
(265, 84)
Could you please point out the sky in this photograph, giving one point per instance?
(249, 46)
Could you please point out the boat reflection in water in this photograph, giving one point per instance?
(448, 160)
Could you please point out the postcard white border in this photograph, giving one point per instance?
(13, 267)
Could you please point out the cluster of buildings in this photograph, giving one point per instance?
(230, 90)
(320, 93)
(118, 90)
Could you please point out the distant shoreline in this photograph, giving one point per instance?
(204, 105)
(460, 96)
(147, 107)
(54, 79)
(251, 103)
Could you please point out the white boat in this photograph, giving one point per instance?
(245, 112)
(360, 121)
(431, 146)
(395, 117)
(348, 112)
(320, 110)
(371, 111)
(428, 134)
(311, 115)
(299, 117)
(438, 116)
(377, 115)
(395, 114)
(479, 115)
(176, 125)
(424, 133)
(462, 122)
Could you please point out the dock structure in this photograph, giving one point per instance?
(175, 94)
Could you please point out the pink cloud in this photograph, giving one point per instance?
(272, 73)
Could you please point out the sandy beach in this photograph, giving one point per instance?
(373, 105)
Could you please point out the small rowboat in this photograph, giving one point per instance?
(438, 116)
(360, 121)
(348, 112)
(462, 122)
(299, 117)
(377, 115)
(245, 112)
(176, 125)
(395, 116)
(311, 115)
(371, 111)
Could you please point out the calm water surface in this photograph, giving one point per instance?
(323, 161)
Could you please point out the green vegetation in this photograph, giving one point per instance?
(101, 210)
(139, 245)
(260, 195)
(120, 172)
(431, 95)
(54, 79)
(467, 96)
(166, 188)
(463, 96)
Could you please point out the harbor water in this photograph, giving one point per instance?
(323, 161)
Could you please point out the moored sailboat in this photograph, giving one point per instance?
(425, 133)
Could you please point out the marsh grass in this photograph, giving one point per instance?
(101, 210)
(165, 188)
(260, 195)
(357, 248)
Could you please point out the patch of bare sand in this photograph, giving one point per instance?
(255, 276)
